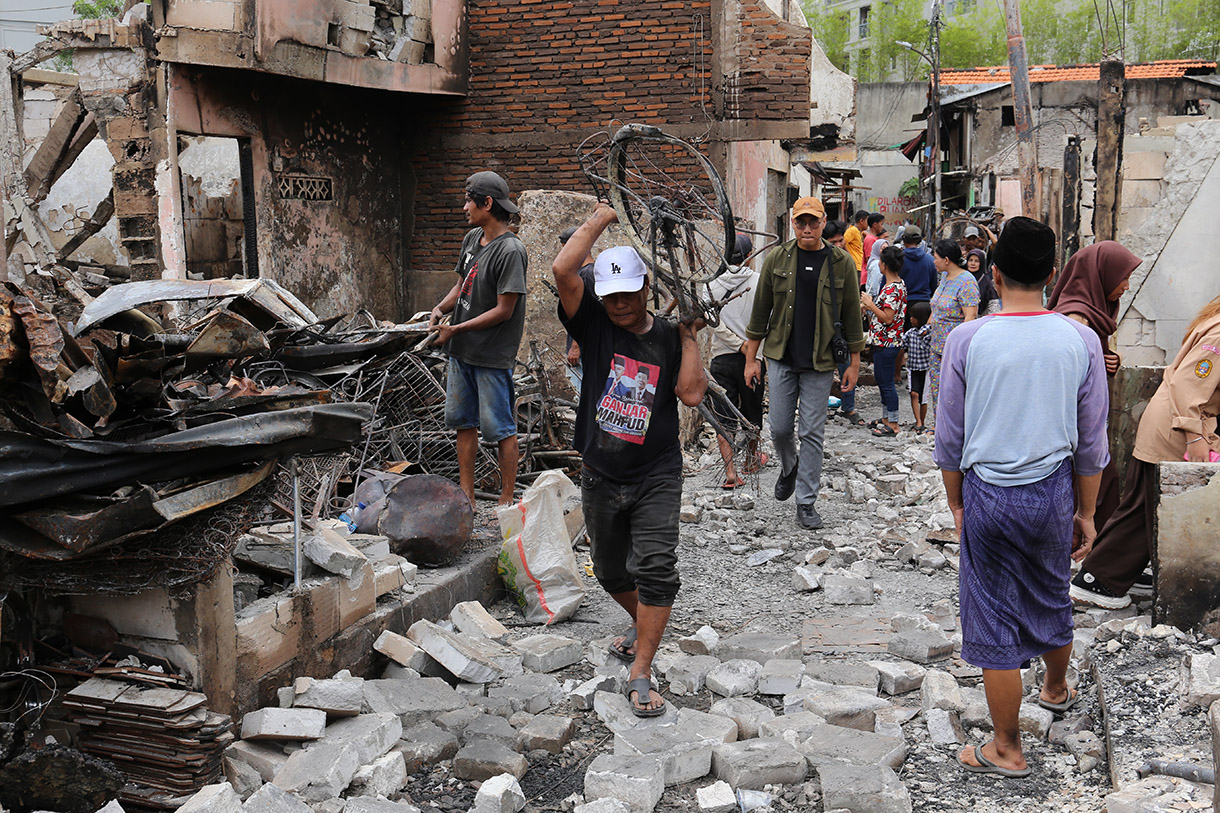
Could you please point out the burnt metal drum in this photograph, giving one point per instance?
(427, 519)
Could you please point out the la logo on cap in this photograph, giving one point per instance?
(615, 269)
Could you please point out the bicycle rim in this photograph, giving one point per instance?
(645, 169)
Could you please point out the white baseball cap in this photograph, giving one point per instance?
(618, 270)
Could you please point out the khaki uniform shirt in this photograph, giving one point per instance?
(1188, 400)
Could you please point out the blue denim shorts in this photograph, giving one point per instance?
(480, 397)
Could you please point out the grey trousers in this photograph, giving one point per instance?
(807, 392)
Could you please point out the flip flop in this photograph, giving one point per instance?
(1059, 708)
(642, 687)
(620, 651)
(987, 766)
(919, 429)
(727, 486)
(852, 417)
(753, 467)
(883, 431)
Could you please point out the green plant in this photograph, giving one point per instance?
(909, 188)
(97, 9)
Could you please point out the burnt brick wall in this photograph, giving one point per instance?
(545, 74)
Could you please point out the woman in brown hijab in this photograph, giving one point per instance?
(1088, 291)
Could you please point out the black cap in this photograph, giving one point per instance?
(1025, 252)
(741, 249)
(566, 234)
(489, 184)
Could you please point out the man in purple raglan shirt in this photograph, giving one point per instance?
(1020, 432)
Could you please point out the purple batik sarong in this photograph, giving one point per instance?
(1015, 569)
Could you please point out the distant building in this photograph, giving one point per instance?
(19, 18)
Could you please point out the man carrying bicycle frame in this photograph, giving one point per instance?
(793, 313)
(631, 482)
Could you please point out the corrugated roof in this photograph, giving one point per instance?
(1163, 69)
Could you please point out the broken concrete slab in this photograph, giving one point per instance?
(244, 779)
(748, 714)
(426, 744)
(371, 735)
(334, 554)
(605, 805)
(703, 642)
(731, 678)
(338, 698)
(684, 758)
(547, 732)
(940, 691)
(717, 797)
(757, 762)
(846, 706)
(490, 727)
(806, 579)
(702, 725)
(899, 677)
(582, 696)
(265, 759)
(615, 712)
(863, 789)
(944, 727)
(1203, 688)
(500, 794)
(833, 745)
(382, 777)
(1035, 720)
(469, 659)
(402, 651)
(687, 674)
(319, 773)
(920, 645)
(283, 724)
(377, 804)
(840, 589)
(414, 701)
(548, 652)
(843, 673)
(780, 677)
(480, 760)
(637, 780)
(533, 693)
(472, 618)
(791, 727)
(759, 647)
(273, 799)
(218, 798)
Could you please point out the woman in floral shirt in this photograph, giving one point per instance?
(955, 301)
(886, 315)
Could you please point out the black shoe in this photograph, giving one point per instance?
(1142, 587)
(785, 485)
(1087, 590)
(808, 517)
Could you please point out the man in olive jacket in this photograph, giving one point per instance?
(793, 314)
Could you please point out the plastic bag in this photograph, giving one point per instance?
(536, 559)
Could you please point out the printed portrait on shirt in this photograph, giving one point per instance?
(625, 407)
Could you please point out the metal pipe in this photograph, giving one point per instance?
(296, 524)
(1023, 113)
(1204, 774)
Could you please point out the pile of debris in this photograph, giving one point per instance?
(165, 741)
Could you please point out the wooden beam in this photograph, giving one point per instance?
(54, 147)
(42, 76)
(83, 137)
(39, 53)
(101, 216)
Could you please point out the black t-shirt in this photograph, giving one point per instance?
(799, 352)
(488, 271)
(627, 420)
(586, 273)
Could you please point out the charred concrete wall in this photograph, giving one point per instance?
(326, 172)
(546, 75)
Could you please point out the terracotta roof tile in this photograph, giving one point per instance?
(1163, 69)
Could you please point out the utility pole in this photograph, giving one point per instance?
(1111, 118)
(935, 145)
(1023, 113)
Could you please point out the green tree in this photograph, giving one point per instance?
(973, 40)
(97, 9)
(831, 29)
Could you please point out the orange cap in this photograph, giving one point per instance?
(808, 206)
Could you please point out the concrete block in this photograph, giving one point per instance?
(702, 725)
(318, 600)
(615, 712)
(759, 647)
(370, 735)
(863, 789)
(582, 696)
(1151, 795)
(717, 797)
(480, 760)
(847, 590)
(606, 805)
(683, 758)
(944, 727)
(319, 773)
(843, 673)
(357, 595)
(755, 763)
(703, 642)
(780, 677)
(1204, 686)
(219, 798)
(835, 745)
(471, 618)
(490, 727)
(940, 691)
(799, 725)
(548, 653)
(637, 780)
(268, 634)
(734, 677)
(687, 674)
(547, 732)
(401, 650)
(899, 677)
(500, 794)
(473, 660)
(426, 744)
(334, 554)
(846, 706)
(274, 799)
(266, 760)
(382, 777)
(920, 645)
(1036, 720)
(1088, 749)
(806, 579)
(374, 804)
(244, 779)
(283, 724)
(338, 698)
(532, 693)
(748, 714)
(388, 575)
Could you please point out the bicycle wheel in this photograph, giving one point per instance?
(662, 186)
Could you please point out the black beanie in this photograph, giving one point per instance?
(1025, 252)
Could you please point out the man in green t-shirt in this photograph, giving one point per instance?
(488, 317)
